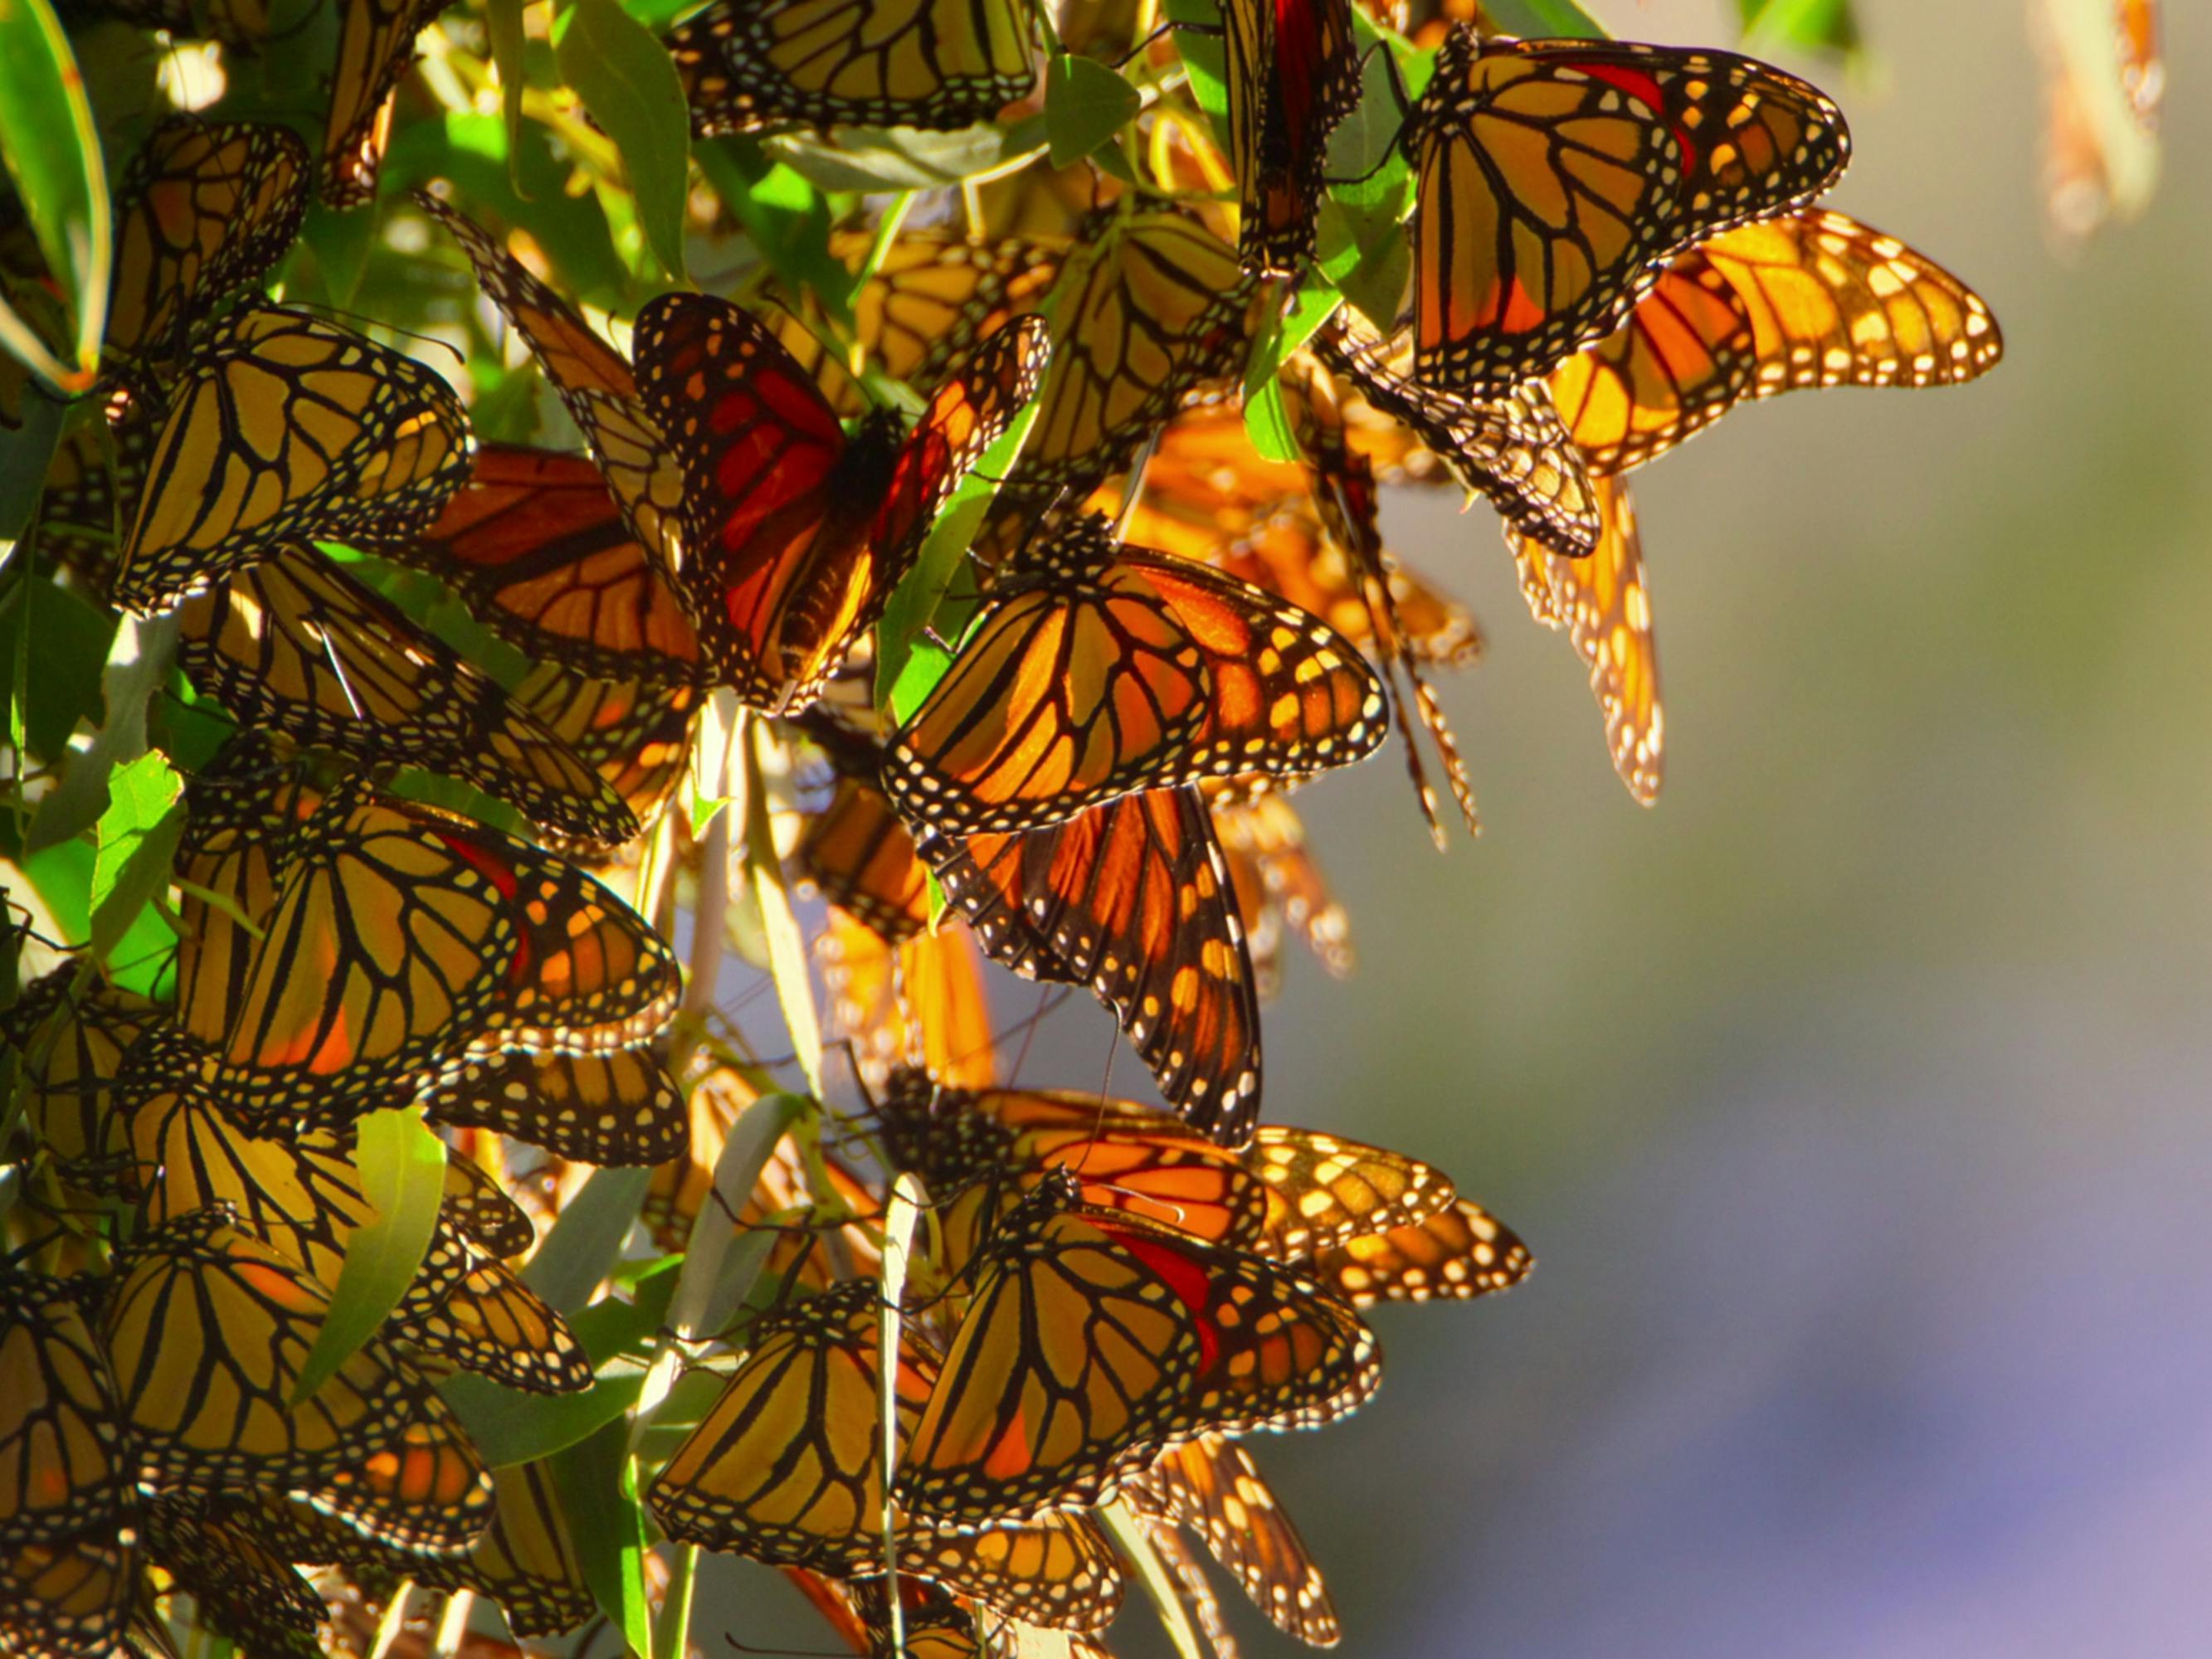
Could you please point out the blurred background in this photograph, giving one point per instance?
(1854, 1099)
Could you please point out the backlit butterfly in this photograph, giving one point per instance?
(376, 44)
(797, 535)
(1809, 300)
(1096, 669)
(1293, 75)
(1555, 176)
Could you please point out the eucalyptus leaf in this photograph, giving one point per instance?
(137, 837)
(706, 1293)
(1086, 104)
(872, 158)
(585, 1240)
(52, 150)
(629, 82)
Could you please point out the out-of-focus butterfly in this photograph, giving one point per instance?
(376, 44)
(923, 1001)
(295, 644)
(1279, 887)
(2104, 79)
(1809, 300)
(1096, 669)
(1093, 1340)
(929, 63)
(795, 534)
(285, 428)
(1555, 176)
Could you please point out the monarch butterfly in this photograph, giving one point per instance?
(787, 1466)
(207, 1330)
(979, 1151)
(538, 546)
(1278, 885)
(1604, 602)
(1101, 669)
(62, 1456)
(596, 385)
(526, 1561)
(434, 940)
(1459, 1253)
(931, 1624)
(1210, 1486)
(1509, 446)
(1293, 75)
(285, 428)
(1094, 1339)
(1811, 299)
(1153, 309)
(920, 1001)
(469, 1310)
(69, 1043)
(930, 63)
(70, 1598)
(295, 644)
(429, 1491)
(96, 468)
(2104, 79)
(240, 1585)
(860, 856)
(637, 737)
(796, 535)
(1554, 177)
(618, 1109)
(481, 1210)
(376, 43)
(933, 295)
(1132, 899)
(1201, 1606)
(206, 209)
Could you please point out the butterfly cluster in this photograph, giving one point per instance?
(396, 1200)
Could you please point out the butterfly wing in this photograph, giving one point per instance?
(929, 63)
(376, 44)
(1457, 1254)
(637, 737)
(1555, 176)
(1293, 75)
(295, 645)
(618, 1110)
(1212, 1486)
(1131, 899)
(542, 551)
(287, 429)
(1323, 1189)
(62, 1457)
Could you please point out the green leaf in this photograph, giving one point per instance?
(907, 1202)
(333, 252)
(138, 841)
(1553, 18)
(1363, 251)
(510, 54)
(605, 1520)
(52, 150)
(786, 947)
(25, 455)
(62, 877)
(1204, 55)
(139, 660)
(587, 1238)
(1816, 25)
(402, 1174)
(1085, 105)
(913, 604)
(629, 82)
(61, 641)
(872, 158)
(787, 218)
(1265, 418)
(708, 1292)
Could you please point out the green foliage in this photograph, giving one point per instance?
(52, 151)
(1086, 104)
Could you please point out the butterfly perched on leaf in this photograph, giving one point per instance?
(1092, 1341)
(929, 63)
(1095, 669)
(1132, 898)
(1293, 74)
(283, 428)
(787, 1466)
(1553, 178)
(795, 534)
(295, 644)
(1807, 300)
